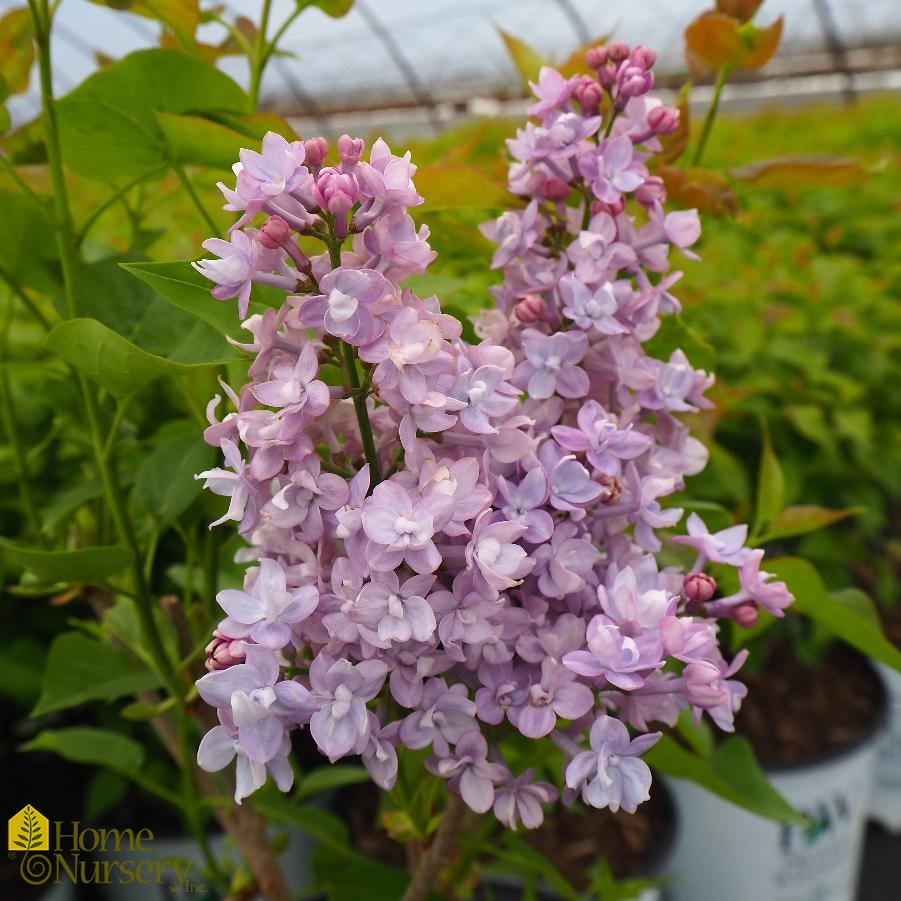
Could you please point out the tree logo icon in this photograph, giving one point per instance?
(29, 831)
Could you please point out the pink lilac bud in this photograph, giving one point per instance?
(350, 150)
(612, 209)
(663, 119)
(746, 614)
(274, 232)
(555, 189)
(530, 309)
(315, 151)
(614, 489)
(617, 51)
(644, 57)
(596, 57)
(699, 587)
(223, 652)
(588, 94)
(651, 191)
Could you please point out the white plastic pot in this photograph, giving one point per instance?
(724, 853)
(885, 804)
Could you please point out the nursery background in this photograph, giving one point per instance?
(118, 120)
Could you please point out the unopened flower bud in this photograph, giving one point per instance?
(530, 309)
(315, 151)
(223, 652)
(651, 191)
(644, 57)
(746, 614)
(588, 94)
(350, 150)
(663, 119)
(699, 587)
(612, 209)
(338, 191)
(617, 51)
(274, 232)
(614, 489)
(596, 57)
(554, 188)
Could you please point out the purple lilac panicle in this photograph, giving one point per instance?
(454, 543)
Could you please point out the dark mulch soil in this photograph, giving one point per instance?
(572, 840)
(891, 622)
(794, 713)
(575, 839)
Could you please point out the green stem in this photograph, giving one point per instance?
(8, 420)
(186, 182)
(112, 199)
(354, 387)
(273, 44)
(258, 62)
(721, 78)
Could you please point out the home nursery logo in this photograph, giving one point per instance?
(74, 855)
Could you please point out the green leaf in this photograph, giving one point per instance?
(674, 333)
(812, 599)
(527, 60)
(187, 289)
(85, 566)
(195, 141)
(770, 487)
(139, 712)
(804, 518)
(136, 313)
(165, 483)
(325, 827)
(107, 358)
(80, 669)
(26, 254)
(732, 772)
(334, 8)
(523, 856)
(329, 778)
(98, 747)
(120, 103)
(453, 187)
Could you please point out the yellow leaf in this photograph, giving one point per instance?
(803, 171)
(762, 43)
(743, 10)
(706, 191)
(460, 188)
(713, 41)
(16, 49)
(574, 64)
(527, 60)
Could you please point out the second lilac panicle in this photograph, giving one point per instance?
(453, 543)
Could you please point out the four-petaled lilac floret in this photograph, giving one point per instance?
(468, 771)
(520, 800)
(551, 365)
(401, 528)
(340, 690)
(267, 611)
(612, 774)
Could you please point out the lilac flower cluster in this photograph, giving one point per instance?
(454, 542)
